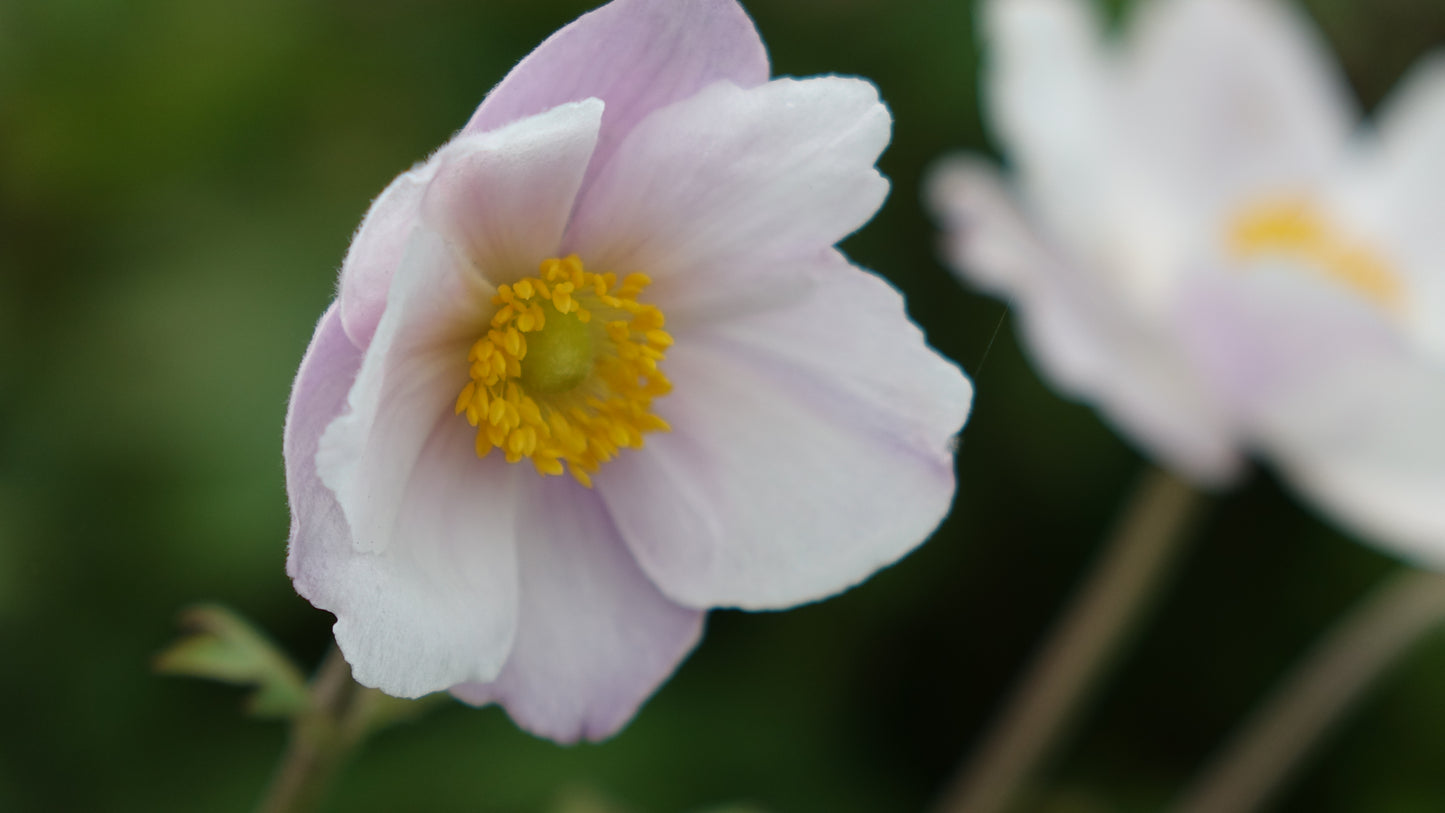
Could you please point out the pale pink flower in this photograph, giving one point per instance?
(1201, 238)
(500, 322)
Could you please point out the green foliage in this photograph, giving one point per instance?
(220, 645)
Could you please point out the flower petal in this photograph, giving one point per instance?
(1270, 327)
(1333, 395)
(1084, 337)
(1399, 192)
(790, 175)
(1367, 443)
(1235, 98)
(503, 197)
(318, 396)
(595, 638)
(635, 55)
(1051, 94)
(812, 444)
(376, 251)
(425, 593)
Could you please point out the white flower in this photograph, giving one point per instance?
(1203, 240)
(621, 269)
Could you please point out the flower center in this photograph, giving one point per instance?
(1296, 230)
(568, 370)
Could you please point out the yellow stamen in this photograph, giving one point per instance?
(551, 384)
(1297, 230)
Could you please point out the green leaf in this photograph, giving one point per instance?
(223, 646)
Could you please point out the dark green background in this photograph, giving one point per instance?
(178, 182)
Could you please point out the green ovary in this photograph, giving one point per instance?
(559, 356)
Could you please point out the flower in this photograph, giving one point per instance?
(1201, 240)
(596, 367)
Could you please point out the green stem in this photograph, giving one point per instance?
(1323, 688)
(321, 739)
(1084, 642)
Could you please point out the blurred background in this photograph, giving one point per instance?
(178, 182)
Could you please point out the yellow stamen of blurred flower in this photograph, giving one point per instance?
(568, 369)
(1298, 231)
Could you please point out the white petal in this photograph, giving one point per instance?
(1368, 444)
(1051, 94)
(812, 445)
(504, 197)
(595, 638)
(1398, 193)
(1082, 333)
(425, 595)
(1235, 98)
(730, 178)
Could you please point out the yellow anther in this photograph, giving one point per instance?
(562, 298)
(554, 385)
(1297, 230)
(465, 399)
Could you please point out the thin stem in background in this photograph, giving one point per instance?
(321, 740)
(1323, 688)
(1085, 641)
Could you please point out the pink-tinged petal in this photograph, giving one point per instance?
(1333, 396)
(503, 197)
(790, 174)
(635, 55)
(407, 385)
(376, 251)
(1235, 98)
(1263, 330)
(317, 398)
(425, 594)
(595, 638)
(811, 445)
(1082, 334)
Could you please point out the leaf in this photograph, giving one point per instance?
(223, 646)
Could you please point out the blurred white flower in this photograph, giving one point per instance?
(1201, 238)
(634, 235)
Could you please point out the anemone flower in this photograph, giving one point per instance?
(596, 367)
(1201, 238)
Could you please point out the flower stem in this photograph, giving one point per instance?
(1372, 636)
(1136, 559)
(321, 739)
